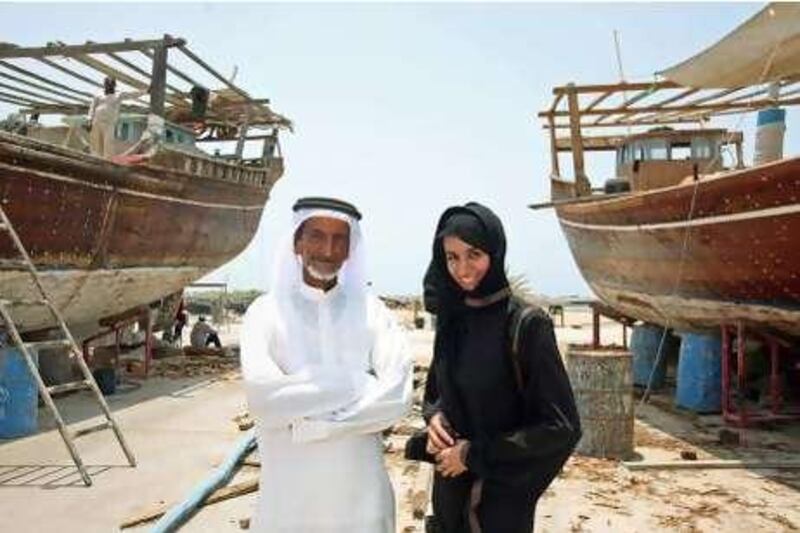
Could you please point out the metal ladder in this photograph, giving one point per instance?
(67, 341)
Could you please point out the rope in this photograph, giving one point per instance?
(685, 247)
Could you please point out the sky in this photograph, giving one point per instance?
(406, 109)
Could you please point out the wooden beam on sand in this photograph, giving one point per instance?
(709, 464)
(225, 493)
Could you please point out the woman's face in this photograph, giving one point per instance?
(467, 265)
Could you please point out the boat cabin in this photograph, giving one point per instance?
(663, 157)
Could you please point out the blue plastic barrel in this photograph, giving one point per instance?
(18, 396)
(645, 341)
(699, 386)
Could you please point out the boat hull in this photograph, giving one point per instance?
(736, 258)
(106, 238)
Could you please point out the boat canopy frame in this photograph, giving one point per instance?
(645, 105)
(233, 115)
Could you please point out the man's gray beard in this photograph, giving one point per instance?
(316, 274)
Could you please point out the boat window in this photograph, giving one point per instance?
(123, 130)
(170, 136)
(680, 153)
(702, 148)
(655, 150)
(637, 151)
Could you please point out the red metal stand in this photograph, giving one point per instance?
(739, 414)
(116, 328)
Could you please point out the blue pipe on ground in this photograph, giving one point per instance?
(182, 511)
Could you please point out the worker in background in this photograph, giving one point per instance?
(203, 334)
(103, 115)
(181, 319)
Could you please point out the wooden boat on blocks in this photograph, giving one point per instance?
(110, 234)
(685, 235)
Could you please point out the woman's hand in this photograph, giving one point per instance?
(438, 434)
(450, 461)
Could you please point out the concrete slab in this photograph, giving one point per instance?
(179, 431)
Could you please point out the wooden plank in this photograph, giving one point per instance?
(576, 141)
(225, 493)
(31, 93)
(556, 101)
(711, 464)
(123, 77)
(79, 109)
(27, 101)
(572, 201)
(767, 102)
(89, 48)
(554, 164)
(158, 85)
(211, 71)
(70, 72)
(589, 125)
(136, 68)
(597, 100)
(615, 87)
(37, 77)
(9, 99)
(594, 143)
(172, 69)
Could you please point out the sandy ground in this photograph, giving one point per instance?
(181, 428)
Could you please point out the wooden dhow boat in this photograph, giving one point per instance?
(109, 235)
(684, 234)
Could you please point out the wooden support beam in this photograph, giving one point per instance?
(70, 72)
(38, 87)
(55, 50)
(27, 101)
(589, 125)
(597, 100)
(710, 464)
(628, 102)
(582, 89)
(556, 101)
(159, 81)
(79, 109)
(242, 137)
(225, 493)
(757, 104)
(173, 70)
(554, 165)
(33, 94)
(248, 138)
(136, 68)
(19, 70)
(213, 72)
(594, 143)
(125, 78)
(581, 181)
(10, 100)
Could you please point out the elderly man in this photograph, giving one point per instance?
(326, 369)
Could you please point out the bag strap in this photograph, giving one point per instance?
(518, 322)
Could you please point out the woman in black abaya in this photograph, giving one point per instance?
(501, 422)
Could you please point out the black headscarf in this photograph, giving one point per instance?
(478, 226)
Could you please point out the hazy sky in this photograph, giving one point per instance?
(406, 109)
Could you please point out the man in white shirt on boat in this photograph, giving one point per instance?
(103, 116)
(326, 369)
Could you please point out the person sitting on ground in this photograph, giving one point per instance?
(203, 334)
